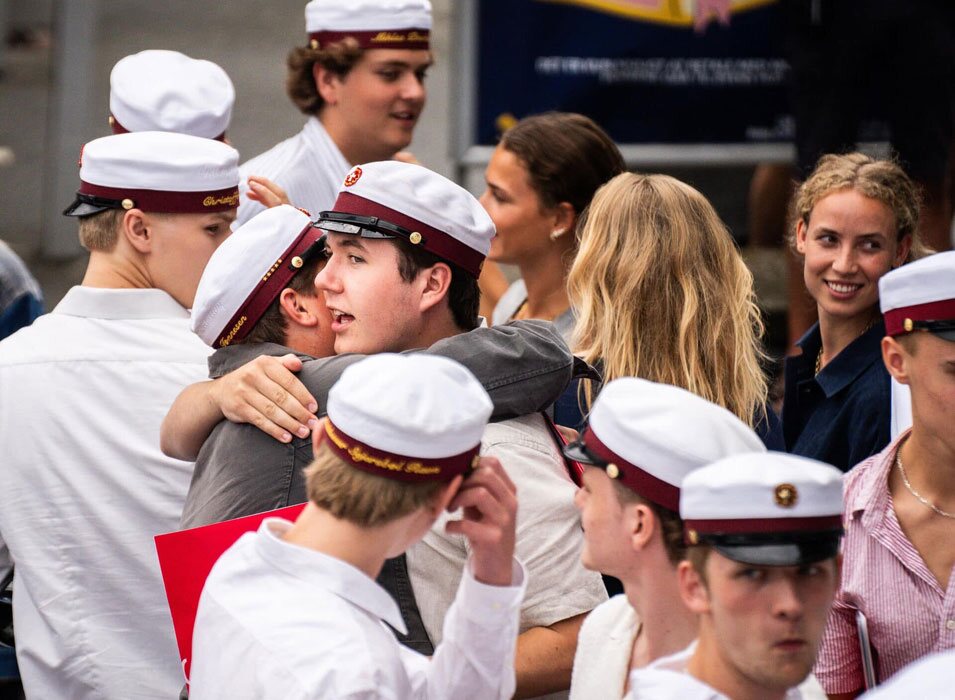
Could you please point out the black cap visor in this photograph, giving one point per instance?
(578, 452)
(777, 549)
(85, 205)
(943, 329)
(364, 226)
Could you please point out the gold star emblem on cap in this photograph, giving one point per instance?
(613, 471)
(297, 262)
(786, 495)
(415, 238)
(908, 325)
(127, 203)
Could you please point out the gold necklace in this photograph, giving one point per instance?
(865, 330)
(919, 497)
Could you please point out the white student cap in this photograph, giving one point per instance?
(249, 271)
(374, 24)
(157, 172)
(770, 509)
(390, 199)
(920, 296)
(649, 436)
(407, 417)
(159, 90)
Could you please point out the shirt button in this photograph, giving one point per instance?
(950, 624)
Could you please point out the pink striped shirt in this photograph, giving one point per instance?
(908, 613)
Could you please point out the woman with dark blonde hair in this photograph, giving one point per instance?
(539, 181)
(856, 218)
(662, 293)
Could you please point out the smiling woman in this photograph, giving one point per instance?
(856, 219)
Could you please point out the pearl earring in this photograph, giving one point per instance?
(554, 235)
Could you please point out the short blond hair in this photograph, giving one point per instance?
(662, 293)
(882, 180)
(367, 500)
(99, 232)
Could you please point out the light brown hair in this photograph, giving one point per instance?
(361, 498)
(99, 232)
(339, 58)
(662, 293)
(882, 180)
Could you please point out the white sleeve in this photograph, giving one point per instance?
(475, 659)
(6, 561)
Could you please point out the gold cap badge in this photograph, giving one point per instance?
(313, 44)
(786, 495)
(908, 325)
(415, 238)
(297, 262)
(692, 537)
(613, 471)
(127, 203)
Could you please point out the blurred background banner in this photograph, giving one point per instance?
(637, 67)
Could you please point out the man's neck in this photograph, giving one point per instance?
(666, 625)
(709, 666)
(929, 461)
(364, 548)
(109, 271)
(355, 149)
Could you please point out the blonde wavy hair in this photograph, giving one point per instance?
(662, 293)
(882, 180)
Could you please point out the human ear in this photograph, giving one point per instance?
(564, 219)
(295, 307)
(136, 230)
(318, 433)
(435, 285)
(801, 234)
(327, 83)
(692, 588)
(894, 358)
(902, 254)
(643, 525)
(444, 496)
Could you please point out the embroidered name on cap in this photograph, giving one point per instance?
(353, 177)
(358, 454)
(231, 199)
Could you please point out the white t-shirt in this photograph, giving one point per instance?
(549, 536)
(308, 166)
(280, 621)
(84, 488)
(604, 651)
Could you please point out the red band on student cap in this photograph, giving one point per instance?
(375, 39)
(206, 202)
(763, 526)
(268, 289)
(434, 240)
(395, 466)
(943, 310)
(120, 129)
(633, 477)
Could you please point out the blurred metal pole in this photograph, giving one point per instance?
(70, 121)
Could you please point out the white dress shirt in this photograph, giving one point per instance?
(668, 678)
(308, 166)
(84, 488)
(281, 621)
(549, 536)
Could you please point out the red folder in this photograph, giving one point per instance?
(186, 557)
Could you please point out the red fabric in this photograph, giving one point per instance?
(395, 466)
(633, 477)
(185, 560)
(267, 290)
(943, 310)
(434, 240)
(169, 202)
(747, 526)
(377, 39)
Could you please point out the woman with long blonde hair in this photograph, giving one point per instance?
(662, 293)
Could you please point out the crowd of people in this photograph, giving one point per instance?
(587, 495)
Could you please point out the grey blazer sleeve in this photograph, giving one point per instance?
(523, 365)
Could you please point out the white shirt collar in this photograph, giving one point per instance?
(94, 302)
(314, 132)
(327, 572)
